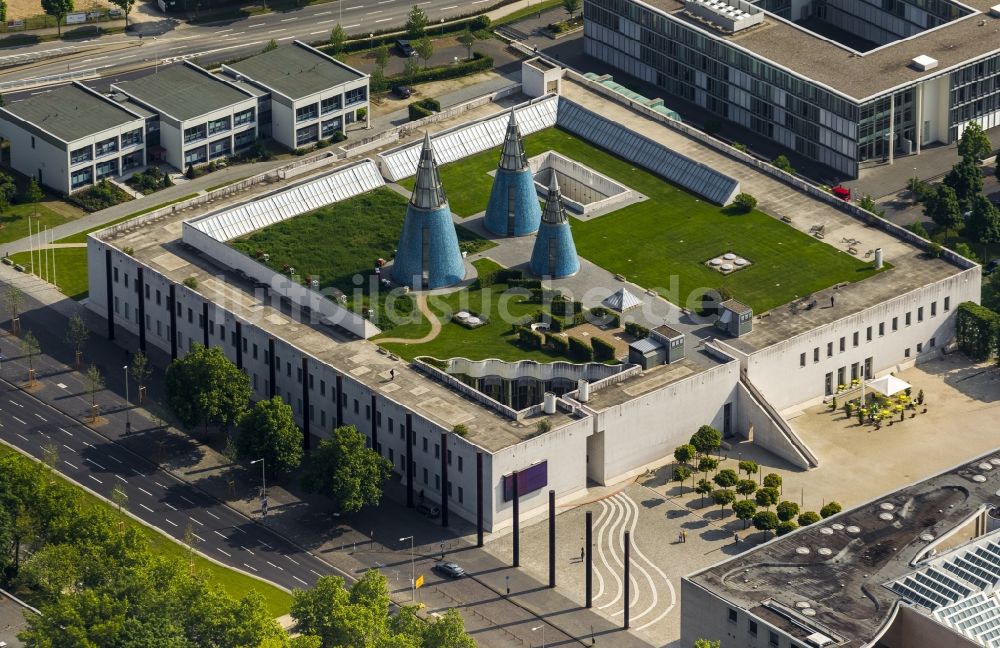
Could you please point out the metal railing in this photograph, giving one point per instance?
(22, 84)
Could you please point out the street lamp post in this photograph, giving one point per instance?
(128, 421)
(542, 628)
(413, 570)
(263, 487)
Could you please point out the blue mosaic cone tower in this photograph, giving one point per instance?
(428, 254)
(513, 209)
(554, 254)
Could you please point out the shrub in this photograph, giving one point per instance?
(977, 329)
(809, 517)
(339, 136)
(603, 351)
(461, 430)
(742, 148)
(190, 174)
(579, 350)
(322, 143)
(744, 202)
(191, 282)
(558, 344)
(636, 330)
(100, 196)
(781, 162)
(149, 180)
(830, 509)
(361, 114)
(963, 248)
(787, 510)
(417, 111)
(299, 151)
(479, 22)
(524, 283)
(918, 228)
(530, 339)
(543, 426)
(934, 249)
(786, 526)
(566, 307)
(479, 63)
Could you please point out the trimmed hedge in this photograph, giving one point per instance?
(557, 343)
(525, 283)
(636, 330)
(580, 350)
(601, 316)
(603, 351)
(566, 307)
(530, 339)
(977, 330)
(388, 37)
(479, 63)
(417, 111)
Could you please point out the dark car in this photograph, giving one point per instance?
(430, 510)
(405, 48)
(449, 569)
(991, 267)
(402, 91)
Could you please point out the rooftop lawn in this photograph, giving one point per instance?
(492, 340)
(337, 242)
(672, 234)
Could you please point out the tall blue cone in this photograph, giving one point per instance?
(554, 254)
(513, 208)
(428, 254)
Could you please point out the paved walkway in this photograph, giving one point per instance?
(367, 540)
(429, 316)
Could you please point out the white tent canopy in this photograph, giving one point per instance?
(887, 385)
(622, 300)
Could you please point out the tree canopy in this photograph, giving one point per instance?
(967, 180)
(942, 207)
(205, 388)
(268, 431)
(974, 143)
(347, 472)
(983, 225)
(706, 439)
(125, 6)
(57, 9)
(416, 22)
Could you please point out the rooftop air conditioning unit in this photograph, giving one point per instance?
(924, 63)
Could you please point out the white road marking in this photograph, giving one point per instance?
(597, 572)
(172, 523)
(95, 479)
(226, 553)
(137, 472)
(286, 38)
(617, 513)
(383, 20)
(350, 26)
(69, 433)
(196, 521)
(287, 19)
(316, 572)
(273, 565)
(121, 478)
(372, 13)
(145, 491)
(41, 417)
(212, 514)
(240, 530)
(247, 550)
(114, 458)
(267, 545)
(300, 580)
(146, 507)
(451, 7)
(68, 464)
(200, 539)
(255, 26)
(158, 484)
(324, 22)
(171, 507)
(219, 534)
(91, 445)
(294, 562)
(319, 32)
(278, 31)
(248, 566)
(68, 448)
(96, 464)
(22, 436)
(323, 13)
(15, 403)
(187, 500)
(19, 420)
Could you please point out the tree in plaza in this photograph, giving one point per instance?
(126, 7)
(77, 334)
(745, 510)
(983, 225)
(347, 472)
(830, 509)
(706, 439)
(13, 301)
(722, 497)
(974, 143)
(765, 521)
(268, 431)
(205, 388)
(726, 478)
(571, 7)
(467, 38)
(57, 9)
(749, 467)
(942, 207)
(681, 473)
(787, 510)
(338, 37)
(773, 480)
(424, 48)
(746, 487)
(786, 526)
(707, 464)
(966, 179)
(683, 454)
(416, 22)
(30, 348)
(766, 497)
(809, 517)
(703, 488)
(141, 372)
(95, 383)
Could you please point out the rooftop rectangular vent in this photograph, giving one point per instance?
(819, 640)
(995, 11)
(727, 15)
(924, 63)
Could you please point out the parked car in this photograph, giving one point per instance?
(402, 91)
(405, 48)
(430, 510)
(991, 267)
(449, 570)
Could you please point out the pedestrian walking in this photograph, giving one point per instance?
(832, 299)
(736, 538)
(684, 536)
(392, 374)
(581, 553)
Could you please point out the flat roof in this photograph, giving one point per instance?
(70, 112)
(296, 71)
(846, 587)
(857, 74)
(182, 91)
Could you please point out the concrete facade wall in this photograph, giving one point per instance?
(765, 431)
(911, 629)
(778, 373)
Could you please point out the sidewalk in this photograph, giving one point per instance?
(367, 540)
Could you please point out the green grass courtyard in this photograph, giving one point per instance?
(663, 242)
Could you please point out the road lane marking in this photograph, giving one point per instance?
(246, 565)
(451, 7)
(23, 437)
(269, 547)
(69, 433)
(95, 479)
(90, 445)
(226, 553)
(42, 417)
(319, 32)
(219, 533)
(300, 580)
(137, 472)
(18, 420)
(372, 13)
(145, 491)
(240, 530)
(187, 500)
(147, 508)
(114, 458)
(121, 478)
(257, 25)
(286, 38)
(68, 464)
(196, 521)
(273, 565)
(96, 464)
(68, 448)
(294, 562)
(172, 523)
(354, 25)
(383, 20)
(247, 550)
(15, 403)
(323, 13)
(213, 515)
(287, 19)
(158, 484)
(316, 572)
(172, 508)
(200, 539)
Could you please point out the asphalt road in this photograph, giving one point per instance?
(154, 496)
(166, 39)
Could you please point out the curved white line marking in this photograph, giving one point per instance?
(597, 572)
(630, 522)
(619, 511)
(638, 553)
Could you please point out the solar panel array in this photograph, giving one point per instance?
(623, 142)
(471, 139)
(243, 219)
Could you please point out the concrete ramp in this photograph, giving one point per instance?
(770, 430)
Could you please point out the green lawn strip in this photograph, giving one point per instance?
(670, 236)
(236, 584)
(492, 340)
(342, 241)
(14, 221)
(70, 269)
(81, 237)
(226, 184)
(527, 11)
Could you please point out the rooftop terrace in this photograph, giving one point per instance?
(842, 568)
